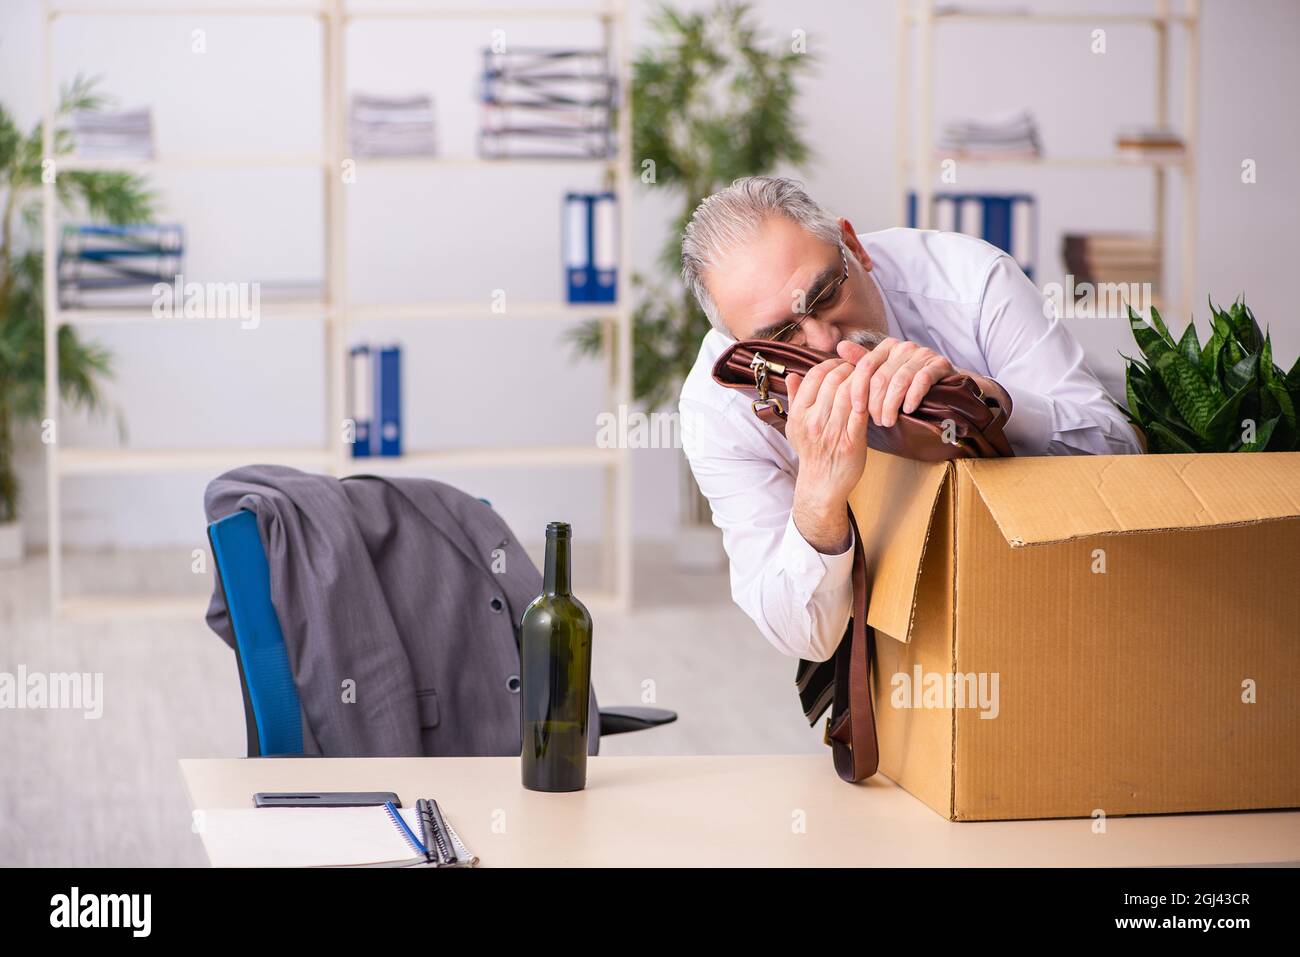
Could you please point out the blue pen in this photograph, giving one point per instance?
(401, 822)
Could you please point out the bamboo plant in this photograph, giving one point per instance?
(108, 196)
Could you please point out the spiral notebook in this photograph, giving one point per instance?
(377, 836)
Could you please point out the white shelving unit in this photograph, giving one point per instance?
(922, 18)
(334, 308)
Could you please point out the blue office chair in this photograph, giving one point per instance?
(272, 715)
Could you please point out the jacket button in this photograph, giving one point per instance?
(513, 684)
(496, 604)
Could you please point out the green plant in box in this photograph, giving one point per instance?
(1226, 396)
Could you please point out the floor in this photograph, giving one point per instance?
(170, 690)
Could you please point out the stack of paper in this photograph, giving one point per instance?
(391, 125)
(125, 135)
(1007, 136)
(548, 103)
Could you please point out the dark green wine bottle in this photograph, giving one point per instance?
(555, 679)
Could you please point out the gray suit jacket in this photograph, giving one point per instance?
(400, 602)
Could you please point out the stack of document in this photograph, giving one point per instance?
(124, 135)
(391, 125)
(1007, 136)
(548, 103)
(103, 266)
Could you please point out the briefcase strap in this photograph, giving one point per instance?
(851, 727)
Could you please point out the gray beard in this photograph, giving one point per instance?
(865, 337)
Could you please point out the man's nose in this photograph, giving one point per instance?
(821, 335)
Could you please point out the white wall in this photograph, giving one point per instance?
(462, 234)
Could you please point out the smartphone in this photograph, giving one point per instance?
(324, 798)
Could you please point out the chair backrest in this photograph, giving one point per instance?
(271, 706)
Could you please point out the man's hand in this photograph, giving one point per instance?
(892, 377)
(901, 375)
(830, 437)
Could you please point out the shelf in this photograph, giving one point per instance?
(75, 164)
(198, 10)
(333, 16)
(270, 311)
(480, 310)
(130, 607)
(481, 13)
(480, 162)
(540, 456)
(138, 461)
(1048, 19)
(73, 462)
(1066, 162)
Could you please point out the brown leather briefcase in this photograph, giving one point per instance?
(954, 420)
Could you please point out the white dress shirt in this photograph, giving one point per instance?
(966, 300)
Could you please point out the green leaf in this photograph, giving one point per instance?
(1189, 345)
(1262, 435)
(1159, 325)
(1161, 440)
(1210, 354)
(1190, 393)
(1149, 340)
(1243, 373)
(1284, 402)
(1244, 327)
(1224, 429)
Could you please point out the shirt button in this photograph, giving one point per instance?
(512, 684)
(496, 604)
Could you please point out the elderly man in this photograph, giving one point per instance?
(765, 261)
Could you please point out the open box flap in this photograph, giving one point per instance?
(893, 506)
(1036, 501)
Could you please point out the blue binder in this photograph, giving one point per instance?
(997, 214)
(590, 243)
(388, 378)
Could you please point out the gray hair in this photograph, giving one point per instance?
(732, 215)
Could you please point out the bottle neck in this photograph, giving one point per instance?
(555, 577)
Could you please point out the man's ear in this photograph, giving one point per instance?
(850, 237)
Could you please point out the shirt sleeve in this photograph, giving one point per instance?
(799, 598)
(1058, 407)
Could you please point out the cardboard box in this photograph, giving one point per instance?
(1133, 624)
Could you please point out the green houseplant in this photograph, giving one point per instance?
(1226, 396)
(114, 197)
(712, 101)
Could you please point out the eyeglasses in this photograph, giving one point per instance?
(826, 296)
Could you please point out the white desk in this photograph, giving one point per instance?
(741, 810)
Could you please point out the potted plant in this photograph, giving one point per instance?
(1226, 396)
(711, 102)
(114, 197)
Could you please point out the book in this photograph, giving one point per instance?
(378, 836)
